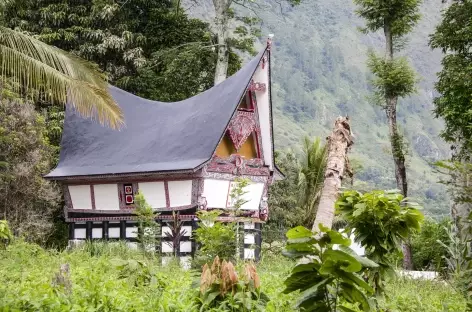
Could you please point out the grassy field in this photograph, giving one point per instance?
(29, 282)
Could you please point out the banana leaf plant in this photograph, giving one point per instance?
(329, 275)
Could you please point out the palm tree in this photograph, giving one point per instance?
(60, 77)
(339, 143)
(311, 176)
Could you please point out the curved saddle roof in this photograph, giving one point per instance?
(157, 136)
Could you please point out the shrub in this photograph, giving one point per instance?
(220, 287)
(328, 280)
(5, 234)
(25, 155)
(380, 221)
(428, 253)
(148, 229)
(216, 240)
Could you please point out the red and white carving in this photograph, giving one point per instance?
(257, 86)
(237, 165)
(241, 128)
(129, 199)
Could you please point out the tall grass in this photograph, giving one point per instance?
(97, 283)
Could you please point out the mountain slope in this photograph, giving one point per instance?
(319, 72)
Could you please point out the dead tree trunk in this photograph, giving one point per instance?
(221, 26)
(339, 143)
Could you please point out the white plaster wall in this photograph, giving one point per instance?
(113, 232)
(80, 196)
(180, 193)
(97, 233)
(249, 225)
(249, 253)
(249, 238)
(106, 197)
(154, 193)
(79, 233)
(216, 192)
(263, 108)
(167, 247)
(131, 232)
(165, 229)
(185, 246)
(253, 196)
(188, 230)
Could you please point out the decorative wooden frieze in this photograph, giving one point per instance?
(241, 127)
(237, 165)
(257, 86)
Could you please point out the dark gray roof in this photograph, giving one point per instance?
(157, 136)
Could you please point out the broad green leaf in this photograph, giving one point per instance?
(295, 254)
(210, 297)
(338, 238)
(345, 261)
(301, 281)
(306, 267)
(354, 295)
(299, 232)
(307, 240)
(314, 291)
(366, 263)
(355, 280)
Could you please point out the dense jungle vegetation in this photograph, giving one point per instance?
(322, 68)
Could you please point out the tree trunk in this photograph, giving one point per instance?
(221, 25)
(396, 142)
(339, 143)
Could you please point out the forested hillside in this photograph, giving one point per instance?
(319, 72)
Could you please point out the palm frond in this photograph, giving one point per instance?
(60, 76)
(311, 174)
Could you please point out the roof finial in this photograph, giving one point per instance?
(269, 41)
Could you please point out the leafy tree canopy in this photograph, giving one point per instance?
(146, 47)
(454, 37)
(402, 15)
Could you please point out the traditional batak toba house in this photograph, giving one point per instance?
(181, 156)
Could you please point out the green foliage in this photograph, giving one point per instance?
(454, 37)
(5, 234)
(311, 176)
(138, 273)
(401, 15)
(237, 194)
(28, 201)
(222, 289)
(284, 202)
(147, 47)
(457, 174)
(408, 295)
(98, 283)
(329, 278)
(294, 199)
(148, 229)
(428, 254)
(393, 78)
(216, 239)
(176, 232)
(459, 255)
(380, 221)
